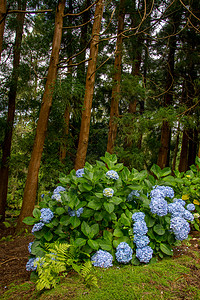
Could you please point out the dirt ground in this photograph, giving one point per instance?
(14, 256)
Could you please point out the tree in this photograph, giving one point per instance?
(2, 22)
(11, 111)
(89, 88)
(114, 107)
(34, 165)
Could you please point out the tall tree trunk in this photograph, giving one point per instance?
(192, 150)
(89, 88)
(114, 107)
(163, 155)
(11, 112)
(34, 165)
(176, 148)
(184, 152)
(2, 24)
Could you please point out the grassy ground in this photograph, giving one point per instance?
(174, 278)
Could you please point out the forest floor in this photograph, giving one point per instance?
(14, 256)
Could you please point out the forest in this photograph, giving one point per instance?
(82, 78)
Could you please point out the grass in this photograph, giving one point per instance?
(168, 279)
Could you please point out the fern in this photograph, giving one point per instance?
(55, 264)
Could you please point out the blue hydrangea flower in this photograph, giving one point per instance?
(124, 253)
(46, 215)
(112, 174)
(158, 206)
(79, 173)
(176, 208)
(59, 189)
(141, 241)
(102, 259)
(42, 196)
(29, 247)
(74, 213)
(140, 228)
(37, 227)
(31, 264)
(190, 207)
(132, 195)
(144, 254)
(138, 216)
(165, 191)
(108, 192)
(187, 215)
(57, 197)
(180, 201)
(180, 227)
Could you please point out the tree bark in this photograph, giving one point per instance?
(89, 88)
(11, 113)
(184, 152)
(163, 155)
(2, 24)
(114, 107)
(192, 149)
(34, 165)
(176, 148)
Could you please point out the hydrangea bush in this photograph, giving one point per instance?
(113, 215)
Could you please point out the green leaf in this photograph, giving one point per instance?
(98, 216)
(117, 232)
(65, 220)
(95, 204)
(124, 220)
(60, 210)
(48, 236)
(159, 229)
(149, 221)
(87, 213)
(93, 244)
(107, 235)
(94, 229)
(79, 242)
(155, 169)
(29, 221)
(109, 207)
(85, 228)
(75, 221)
(166, 171)
(116, 200)
(166, 249)
(36, 213)
(85, 187)
(105, 244)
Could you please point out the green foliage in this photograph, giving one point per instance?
(55, 264)
(105, 222)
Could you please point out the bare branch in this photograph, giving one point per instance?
(30, 11)
(74, 65)
(81, 25)
(78, 14)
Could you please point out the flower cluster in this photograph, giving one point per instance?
(29, 247)
(56, 193)
(123, 253)
(31, 264)
(79, 173)
(112, 174)
(108, 192)
(176, 209)
(190, 207)
(180, 227)
(37, 227)
(132, 195)
(46, 215)
(74, 213)
(163, 191)
(158, 204)
(143, 252)
(102, 259)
